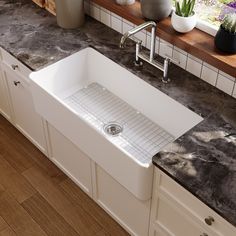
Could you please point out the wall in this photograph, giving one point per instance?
(188, 62)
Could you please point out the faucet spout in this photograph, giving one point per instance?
(123, 39)
(135, 30)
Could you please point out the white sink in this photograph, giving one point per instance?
(84, 92)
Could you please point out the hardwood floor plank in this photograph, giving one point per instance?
(46, 216)
(17, 218)
(80, 198)
(103, 233)
(17, 158)
(22, 154)
(13, 182)
(7, 232)
(1, 189)
(76, 216)
(3, 224)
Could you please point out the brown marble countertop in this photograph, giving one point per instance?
(203, 160)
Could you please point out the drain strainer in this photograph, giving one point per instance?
(113, 129)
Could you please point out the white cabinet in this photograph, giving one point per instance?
(70, 159)
(176, 212)
(24, 117)
(4, 97)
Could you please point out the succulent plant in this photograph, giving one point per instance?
(186, 8)
(229, 23)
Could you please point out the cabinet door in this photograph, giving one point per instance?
(24, 116)
(4, 97)
(70, 159)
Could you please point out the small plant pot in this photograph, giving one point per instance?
(183, 24)
(225, 41)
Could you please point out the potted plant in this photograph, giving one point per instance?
(225, 39)
(183, 19)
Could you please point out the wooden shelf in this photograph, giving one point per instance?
(196, 42)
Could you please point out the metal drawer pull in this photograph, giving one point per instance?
(16, 83)
(204, 234)
(14, 67)
(209, 220)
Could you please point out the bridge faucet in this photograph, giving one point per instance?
(139, 55)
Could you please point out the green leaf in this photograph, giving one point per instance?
(177, 8)
(191, 7)
(183, 9)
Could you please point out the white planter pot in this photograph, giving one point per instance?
(125, 2)
(183, 24)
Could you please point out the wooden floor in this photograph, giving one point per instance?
(36, 198)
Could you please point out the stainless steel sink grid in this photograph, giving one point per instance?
(140, 138)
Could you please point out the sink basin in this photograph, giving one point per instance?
(113, 116)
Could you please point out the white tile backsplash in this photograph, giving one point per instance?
(166, 49)
(115, 15)
(116, 24)
(225, 84)
(210, 67)
(180, 58)
(126, 27)
(127, 22)
(195, 58)
(95, 11)
(227, 76)
(209, 75)
(106, 17)
(180, 50)
(194, 67)
(192, 64)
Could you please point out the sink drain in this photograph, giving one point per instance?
(113, 129)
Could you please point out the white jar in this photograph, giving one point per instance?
(183, 24)
(125, 2)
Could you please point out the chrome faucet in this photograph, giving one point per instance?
(140, 55)
(139, 42)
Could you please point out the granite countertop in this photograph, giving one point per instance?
(203, 160)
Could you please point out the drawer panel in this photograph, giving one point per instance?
(173, 221)
(197, 208)
(14, 64)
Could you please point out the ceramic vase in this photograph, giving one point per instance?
(156, 9)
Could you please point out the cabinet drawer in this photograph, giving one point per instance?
(171, 220)
(14, 64)
(203, 214)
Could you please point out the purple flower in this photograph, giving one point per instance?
(227, 9)
(232, 4)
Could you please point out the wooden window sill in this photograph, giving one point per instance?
(196, 42)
